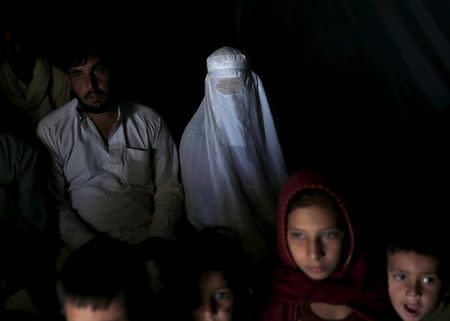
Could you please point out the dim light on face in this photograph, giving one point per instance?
(114, 312)
(413, 284)
(216, 298)
(314, 240)
(91, 82)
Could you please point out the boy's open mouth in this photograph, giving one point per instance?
(412, 308)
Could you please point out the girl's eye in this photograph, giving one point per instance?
(329, 235)
(399, 276)
(428, 280)
(297, 235)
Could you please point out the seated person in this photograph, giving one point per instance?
(418, 274)
(104, 280)
(29, 83)
(114, 165)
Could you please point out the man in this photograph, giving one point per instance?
(30, 84)
(114, 163)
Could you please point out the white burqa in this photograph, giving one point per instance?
(231, 162)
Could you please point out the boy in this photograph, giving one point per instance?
(417, 276)
(214, 278)
(104, 281)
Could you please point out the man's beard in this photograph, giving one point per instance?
(96, 110)
(103, 107)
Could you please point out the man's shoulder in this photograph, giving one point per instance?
(56, 122)
(61, 115)
(135, 109)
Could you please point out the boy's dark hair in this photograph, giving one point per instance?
(421, 238)
(102, 271)
(217, 249)
(407, 242)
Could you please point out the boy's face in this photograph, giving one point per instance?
(114, 312)
(216, 298)
(314, 240)
(413, 284)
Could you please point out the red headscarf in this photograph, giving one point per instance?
(346, 286)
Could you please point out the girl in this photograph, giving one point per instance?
(322, 275)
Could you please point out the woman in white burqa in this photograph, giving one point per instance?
(231, 162)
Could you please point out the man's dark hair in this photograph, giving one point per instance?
(102, 271)
(78, 49)
(80, 55)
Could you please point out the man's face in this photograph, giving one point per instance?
(114, 312)
(91, 84)
(413, 284)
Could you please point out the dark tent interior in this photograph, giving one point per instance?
(358, 89)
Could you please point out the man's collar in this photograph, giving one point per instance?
(82, 114)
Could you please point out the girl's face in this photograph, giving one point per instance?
(314, 240)
(216, 298)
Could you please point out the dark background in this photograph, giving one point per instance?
(343, 99)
